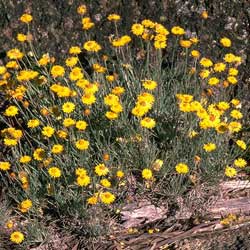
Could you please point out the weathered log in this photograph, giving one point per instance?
(219, 209)
(144, 212)
(231, 206)
(234, 185)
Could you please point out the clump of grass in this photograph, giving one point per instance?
(149, 105)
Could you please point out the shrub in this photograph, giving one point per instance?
(149, 106)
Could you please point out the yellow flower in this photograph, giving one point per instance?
(106, 183)
(240, 162)
(2, 70)
(117, 108)
(57, 71)
(39, 154)
(107, 197)
(230, 172)
(92, 46)
(68, 107)
(147, 174)
(184, 97)
(44, 60)
(11, 111)
(111, 115)
(25, 205)
(80, 171)
(232, 79)
(185, 43)
(26, 18)
(222, 127)
(81, 125)
(205, 62)
(119, 174)
(229, 58)
(204, 14)
(149, 84)
(17, 237)
(141, 110)
(21, 37)
(147, 97)
(57, 149)
(9, 224)
(235, 102)
(75, 50)
(160, 44)
(236, 114)
(122, 41)
(241, 144)
(82, 144)
(92, 200)
(160, 38)
(62, 134)
(213, 81)
(125, 40)
(223, 106)
(106, 157)
(10, 142)
(209, 147)
(161, 30)
(235, 126)
(4, 165)
(87, 23)
(98, 68)
(226, 42)
(76, 74)
(26, 75)
(54, 172)
(177, 30)
(24, 179)
(148, 23)
(228, 220)
(137, 29)
(71, 61)
(48, 131)
(47, 161)
(204, 73)
(195, 53)
(182, 168)
(233, 72)
(83, 180)
(192, 134)
(194, 40)
(33, 123)
(111, 99)
(118, 90)
(110, 78)
(12, 132)
(143, 107)
(82, 83)
(157, 165)
(82, 9)
(219, 67)
(113, 17)
(90, 88)
(101, 170)
(88, 99)
(67, 122)
(148, 122)
(147, 36)
(25, 159)
(12, 65)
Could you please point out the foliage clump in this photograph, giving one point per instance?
(148, 105)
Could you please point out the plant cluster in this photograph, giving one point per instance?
(148, 104)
